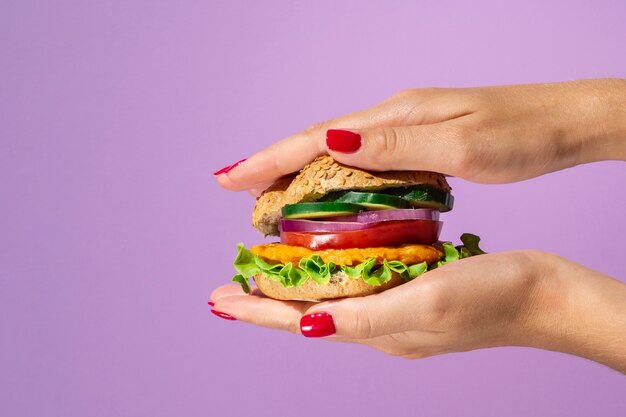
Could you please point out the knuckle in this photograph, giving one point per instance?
(458, 131)
(390, 141)
(437, 310)
(294, 327)
(363, 326)
(316, 129)
(531, 257)
(430, 92)
(399, 95)
(467, 154)
(414, 93)
(389, 144)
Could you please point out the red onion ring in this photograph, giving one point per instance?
(376, 216)
(358, 221)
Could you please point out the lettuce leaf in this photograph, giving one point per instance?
(272, 271)
(245, 284)
(406, 272)
(247, 265)
(245, 262)
(317, 270)
(470, 243)
(375, 277)
(451, 254)
(417, 270)
(292, 276)
(354, 272)
(468, 248)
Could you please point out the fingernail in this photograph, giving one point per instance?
(343, 141)
(228, 168)
(317, 325)
(211, 303)
(223, 315)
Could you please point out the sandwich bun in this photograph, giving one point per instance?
(340, 286)
(325, 175)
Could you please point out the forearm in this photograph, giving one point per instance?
(580, 312)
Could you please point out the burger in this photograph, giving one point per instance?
(345, 232)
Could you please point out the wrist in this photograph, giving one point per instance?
(578, 311)
(598, 127)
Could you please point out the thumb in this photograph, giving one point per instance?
(367, 317)
(425, 147)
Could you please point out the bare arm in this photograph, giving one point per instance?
(524, 298)
(488, 134)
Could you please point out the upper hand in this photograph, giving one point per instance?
(489, 135)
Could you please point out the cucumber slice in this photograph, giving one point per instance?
(424, 196)
(319, 209)
(374, 201)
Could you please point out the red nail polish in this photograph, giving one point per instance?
(211, 303)
(228, 168)
(317, 325)
(223, 315)
(343, 141)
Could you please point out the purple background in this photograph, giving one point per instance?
(113, 115)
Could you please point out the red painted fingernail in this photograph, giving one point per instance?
(228, 168)
(317, 325)
(211, 303)
(343, 141)
(223, 315)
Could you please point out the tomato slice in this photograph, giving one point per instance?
(383, 234)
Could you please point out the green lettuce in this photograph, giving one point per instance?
(470, 244)
(374, 277)
(245, 284)
(248, 264)
(317, 270)
(406, 272)
(451, 254)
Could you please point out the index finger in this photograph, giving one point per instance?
(282, 158)
(293, 153)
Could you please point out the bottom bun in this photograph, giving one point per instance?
(340, 286)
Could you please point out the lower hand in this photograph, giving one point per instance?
(524, 298)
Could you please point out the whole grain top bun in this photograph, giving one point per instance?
(325, 175)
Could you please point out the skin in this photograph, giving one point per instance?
(487, 135)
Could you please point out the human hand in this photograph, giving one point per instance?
(487, 135)
(524, 298)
